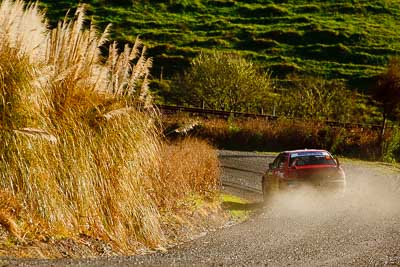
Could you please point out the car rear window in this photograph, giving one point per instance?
(311, 158)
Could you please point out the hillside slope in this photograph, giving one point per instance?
(333, 39)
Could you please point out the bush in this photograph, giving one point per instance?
(391, 147)
(224, 81)
(316, 98)
(387, 90)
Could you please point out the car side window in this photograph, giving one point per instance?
(282, 161)
(275, 164)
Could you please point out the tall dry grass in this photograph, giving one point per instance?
(189, 165)
(80, 149)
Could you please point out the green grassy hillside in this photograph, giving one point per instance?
(349, 40)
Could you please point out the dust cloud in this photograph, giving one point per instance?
(372, 193)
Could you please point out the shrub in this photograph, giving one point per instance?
(391, 147)
(224, 81)
(387, 92)
(316, 98)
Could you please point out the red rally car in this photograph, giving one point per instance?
(313, 167)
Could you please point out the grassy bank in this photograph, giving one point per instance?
(332, 39)
(82, 162)
(238, 208)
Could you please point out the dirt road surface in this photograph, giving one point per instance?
(302, 228)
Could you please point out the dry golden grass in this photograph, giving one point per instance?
(9, 208)
(189, 166)
(80, 149)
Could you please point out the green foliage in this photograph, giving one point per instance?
(238, 208)
(392, 147)
(308, 8)
(162, 90)
(387, 90)
(232, 127)
(333, 39)
(262, 11)
(338, 140)
(224, 81)
(183, 5)
(316, 98)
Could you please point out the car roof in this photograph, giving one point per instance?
(304, 150)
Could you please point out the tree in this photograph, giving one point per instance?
(317, 98)
(224, 81)
(387, 93)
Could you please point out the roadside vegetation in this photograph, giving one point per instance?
(239, 208)
(223, 81)
(287, 134)
(303, 113)
(81, 158)
(332, 39)
(318, 60)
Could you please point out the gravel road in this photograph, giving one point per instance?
(302, 228)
